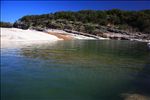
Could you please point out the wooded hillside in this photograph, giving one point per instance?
(90, 21)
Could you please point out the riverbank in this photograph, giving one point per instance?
(15, 34)
(62, 34)
(114, 36)
(15, 37)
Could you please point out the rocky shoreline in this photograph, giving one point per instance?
(104, 32)
(116, 35)
(108, 34)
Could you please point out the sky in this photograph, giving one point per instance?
(13, 10)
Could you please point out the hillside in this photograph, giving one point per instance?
(135, 24)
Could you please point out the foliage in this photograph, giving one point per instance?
(125, 20)
(6, 24)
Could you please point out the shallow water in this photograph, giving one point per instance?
(75, 70)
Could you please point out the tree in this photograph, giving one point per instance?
(6, 24)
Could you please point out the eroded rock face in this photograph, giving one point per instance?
(135, 97)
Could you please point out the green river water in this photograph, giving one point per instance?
(75, 70)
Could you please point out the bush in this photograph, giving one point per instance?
(135, 20)
(6, 24)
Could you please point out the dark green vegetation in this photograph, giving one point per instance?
(90, 21)
(6, 24)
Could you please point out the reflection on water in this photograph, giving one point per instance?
(90, 53)
(71, 70)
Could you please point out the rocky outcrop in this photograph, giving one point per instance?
(114, 34)
(87, 29)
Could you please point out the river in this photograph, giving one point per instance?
(75, 70)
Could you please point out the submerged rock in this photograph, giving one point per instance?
(135, 97)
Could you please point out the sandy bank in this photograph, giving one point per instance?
(14, 34)
(13, 37)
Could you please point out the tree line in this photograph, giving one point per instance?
(89, 20)
(6, 24)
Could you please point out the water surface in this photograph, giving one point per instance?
(75, 70)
